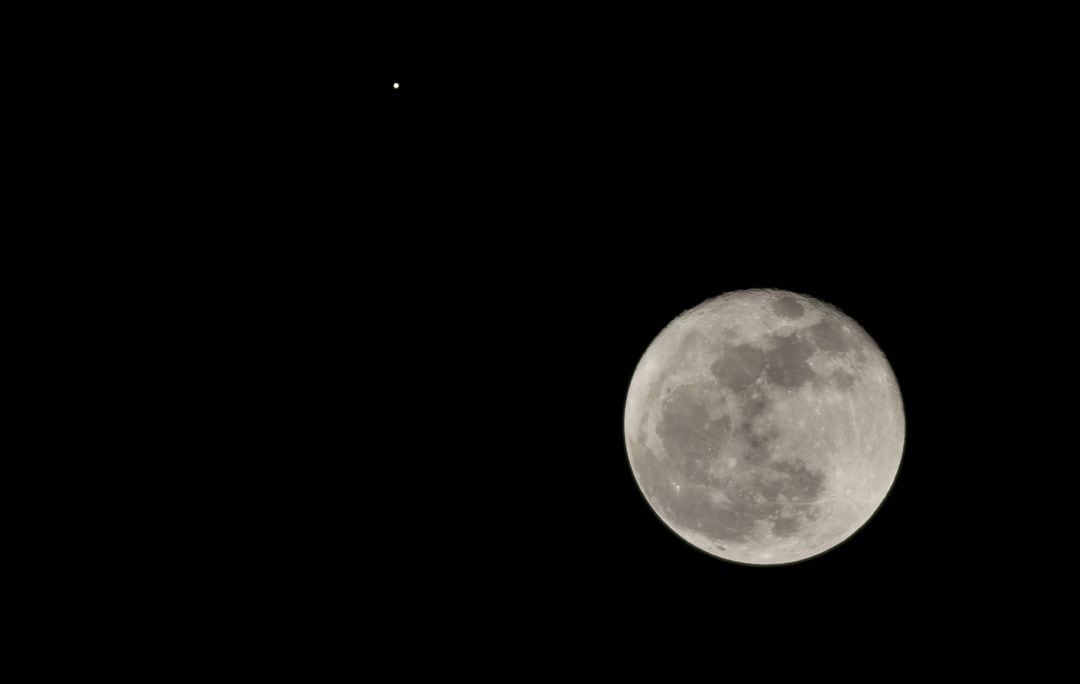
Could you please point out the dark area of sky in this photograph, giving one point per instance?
(843, 51)
(298, 382)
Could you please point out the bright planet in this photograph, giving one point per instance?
(764, 426)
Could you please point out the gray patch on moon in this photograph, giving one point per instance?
(829, 336)
(843, 379)
(785, 527)
(757, 445)
(801, 483)
(788, 307)
(754, 430)
(787, 364)
(754, 406)
(688, 433)
(740, 366)
(784, 364)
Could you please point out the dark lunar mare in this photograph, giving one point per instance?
(693, 441)
(785, 363)
(788, 307)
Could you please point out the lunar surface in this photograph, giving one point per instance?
(764, 426)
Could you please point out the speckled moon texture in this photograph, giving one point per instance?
(764, 426)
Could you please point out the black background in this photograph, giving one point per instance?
(309, 375)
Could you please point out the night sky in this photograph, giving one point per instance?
(308, 375)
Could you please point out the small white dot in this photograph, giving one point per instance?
(396, 86)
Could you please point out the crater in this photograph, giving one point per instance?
(788, 307)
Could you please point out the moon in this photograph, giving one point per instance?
(764, 426)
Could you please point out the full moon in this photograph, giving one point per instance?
(764, 426)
